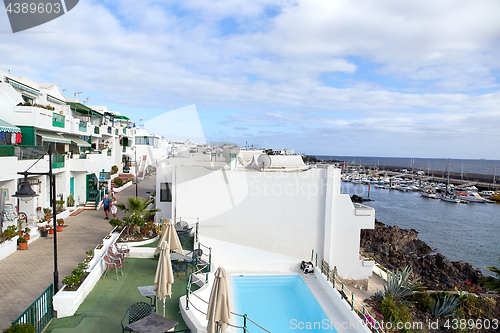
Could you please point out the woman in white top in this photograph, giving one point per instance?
(114, 209)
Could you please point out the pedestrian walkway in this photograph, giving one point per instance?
(24, 275)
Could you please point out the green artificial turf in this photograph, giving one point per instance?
(105, 306)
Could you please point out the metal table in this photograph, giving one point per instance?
(152, 324)
(149, 292)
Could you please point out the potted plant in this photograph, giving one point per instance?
(51, 229)
(60, 223)
(47, 212)
(27, 233)
(23, 243)
(43, 231)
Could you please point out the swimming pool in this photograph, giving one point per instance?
(279, 303)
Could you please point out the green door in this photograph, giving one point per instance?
(72, 186)
(91, 187)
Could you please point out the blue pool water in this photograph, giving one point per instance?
(279, 303)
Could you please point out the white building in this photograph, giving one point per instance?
(284, 209)
(85, 140)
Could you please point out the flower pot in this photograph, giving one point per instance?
(47, 216)
(51, 231)
(44, 233)
(23, 246)
(59, 228)
(21, 233)
(27, 237)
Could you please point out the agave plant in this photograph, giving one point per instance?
(446, 307)
(400, 284)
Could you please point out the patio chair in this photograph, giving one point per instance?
(124, 250)
(181, 225)
(184, 235)
(135, 312)
(115, 256)
(195, 258)
(112, 264)
(180, 266)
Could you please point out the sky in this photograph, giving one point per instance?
(413, 78)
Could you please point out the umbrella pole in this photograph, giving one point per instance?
(164, 307)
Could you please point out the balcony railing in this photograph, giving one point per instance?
(109, 152)
(83, 126)
(40, 312)
(57, 120)
(124, 131)
(7, 151)
(29, 152)
(83, 156)
(96, 130)
(57, 161)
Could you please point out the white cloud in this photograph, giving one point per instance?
(409, 67)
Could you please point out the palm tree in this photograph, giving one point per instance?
(137, 207)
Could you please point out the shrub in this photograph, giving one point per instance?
(423, 301)
(114, 169)
(70, 202)
(59, 205)
(76, 277)
(20, 328)
(115, 222)
(118, 181)
(393, 311)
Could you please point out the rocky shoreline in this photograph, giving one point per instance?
(394, 248)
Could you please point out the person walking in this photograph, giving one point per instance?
(114, 209)
(106, 203)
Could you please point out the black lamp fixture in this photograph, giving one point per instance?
(26, 193)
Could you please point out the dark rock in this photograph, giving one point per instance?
(394, 248)
(358, 199)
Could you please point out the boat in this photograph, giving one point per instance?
(448, 198)
(471, 197)
(495, 196)
(431, 195)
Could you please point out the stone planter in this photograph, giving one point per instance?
(66, 303)
(8, 247)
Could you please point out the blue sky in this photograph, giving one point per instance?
(359, 78)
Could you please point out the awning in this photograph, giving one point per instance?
(78, 107)
(79, 142)
(23, 87)
(55, 100)
(122, 117)
(7, 127)
(52, 137)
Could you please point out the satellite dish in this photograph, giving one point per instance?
(264, 161)
(241, 161)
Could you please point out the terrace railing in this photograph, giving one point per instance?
(29, 152)
(57, 120)
(347, 295)
(40, 312)
(58, 161)
(82, 126)
(96, 130)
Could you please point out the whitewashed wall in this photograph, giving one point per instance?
(288, 213)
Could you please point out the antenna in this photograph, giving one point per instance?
(264, 161)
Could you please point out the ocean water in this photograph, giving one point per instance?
(465, 232)
(485, 167)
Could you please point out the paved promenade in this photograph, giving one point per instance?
(24, 275)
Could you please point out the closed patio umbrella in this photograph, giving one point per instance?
(164, 276)
(218, 313)
(170, 235)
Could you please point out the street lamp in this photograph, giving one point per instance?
(26, 193)
(135, 158)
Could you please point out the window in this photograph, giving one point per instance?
(165, 192)
(28, 99)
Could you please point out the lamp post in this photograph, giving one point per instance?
(135, 158)
(26, 193)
